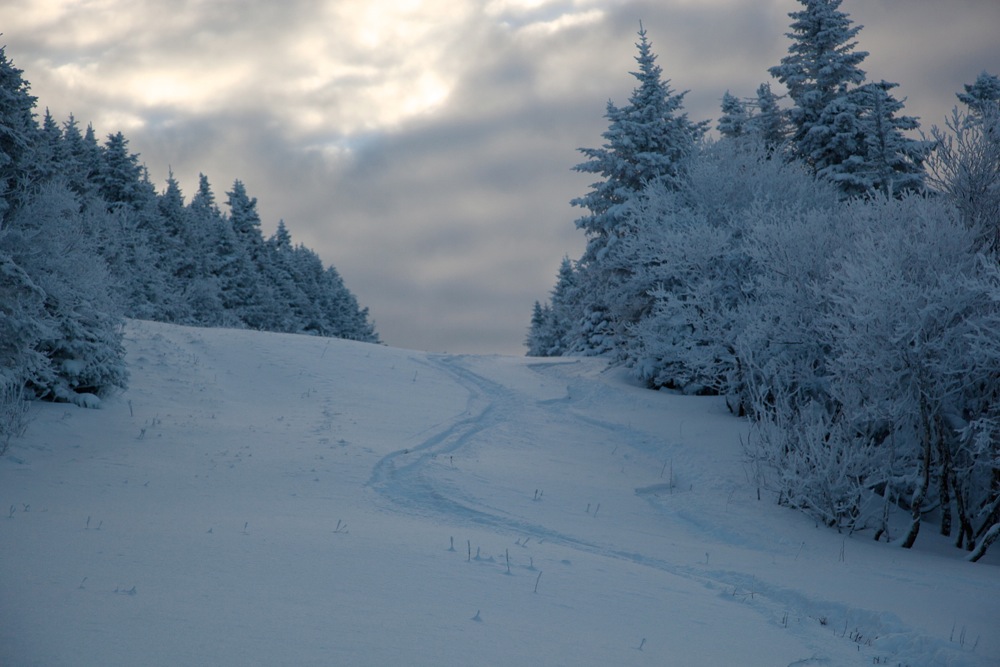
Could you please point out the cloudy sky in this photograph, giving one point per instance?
(425, 147)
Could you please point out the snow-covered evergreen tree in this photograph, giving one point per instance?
(80, 328)
(735, 117)
(847, 132)
(865, 148)
(768, 123)
(177, 248)
(647, 140)
(818, 72)
(565, 310)
(18, 135)
(983, 95)
(539, 339)
(296, 310)
(61, 327)
(121, 176)
(208, 231)
(347, 319)
(44, 163)
(892, 162)
(80, 160)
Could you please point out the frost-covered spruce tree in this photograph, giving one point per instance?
(299, 313)
(246, 292)
(80, 160)
(134, 255)
(847, 132)
(539, 339)
(983, 95)
(760, 119)
(818, 71)
(890, 162)
(865, 148)
(552, 323)
(61, 326)
(122, 178)
(768, 123)
(203, 293)
(344, 316)
(647, 140)
(565, 308)
(733, 121)
(18, 134)
(83, 342)
(176, 246)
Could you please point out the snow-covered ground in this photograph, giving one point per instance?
(263, 499)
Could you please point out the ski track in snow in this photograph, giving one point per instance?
(406, 479)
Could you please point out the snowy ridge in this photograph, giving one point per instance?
(278, 499)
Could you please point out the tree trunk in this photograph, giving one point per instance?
(989, 538)
(925, 478)
(944, 488)
(992, 512)
(966, 539)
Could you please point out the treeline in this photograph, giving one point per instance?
(835, 279)
(86, 240)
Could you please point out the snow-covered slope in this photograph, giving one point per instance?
(262, 499)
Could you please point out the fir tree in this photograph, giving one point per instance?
(892, 162)
(735, 118)
(565, 310)
(18, 135)
(982, 95)
(80, 160)
(121, 177)
(203, 203)
(238, 247)
(44, 163)
(178, 249)
(768, 123)
(208, 237)
(539, 339)
(818, 71)
(647, 140)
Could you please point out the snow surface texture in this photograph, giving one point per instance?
(266, 499)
